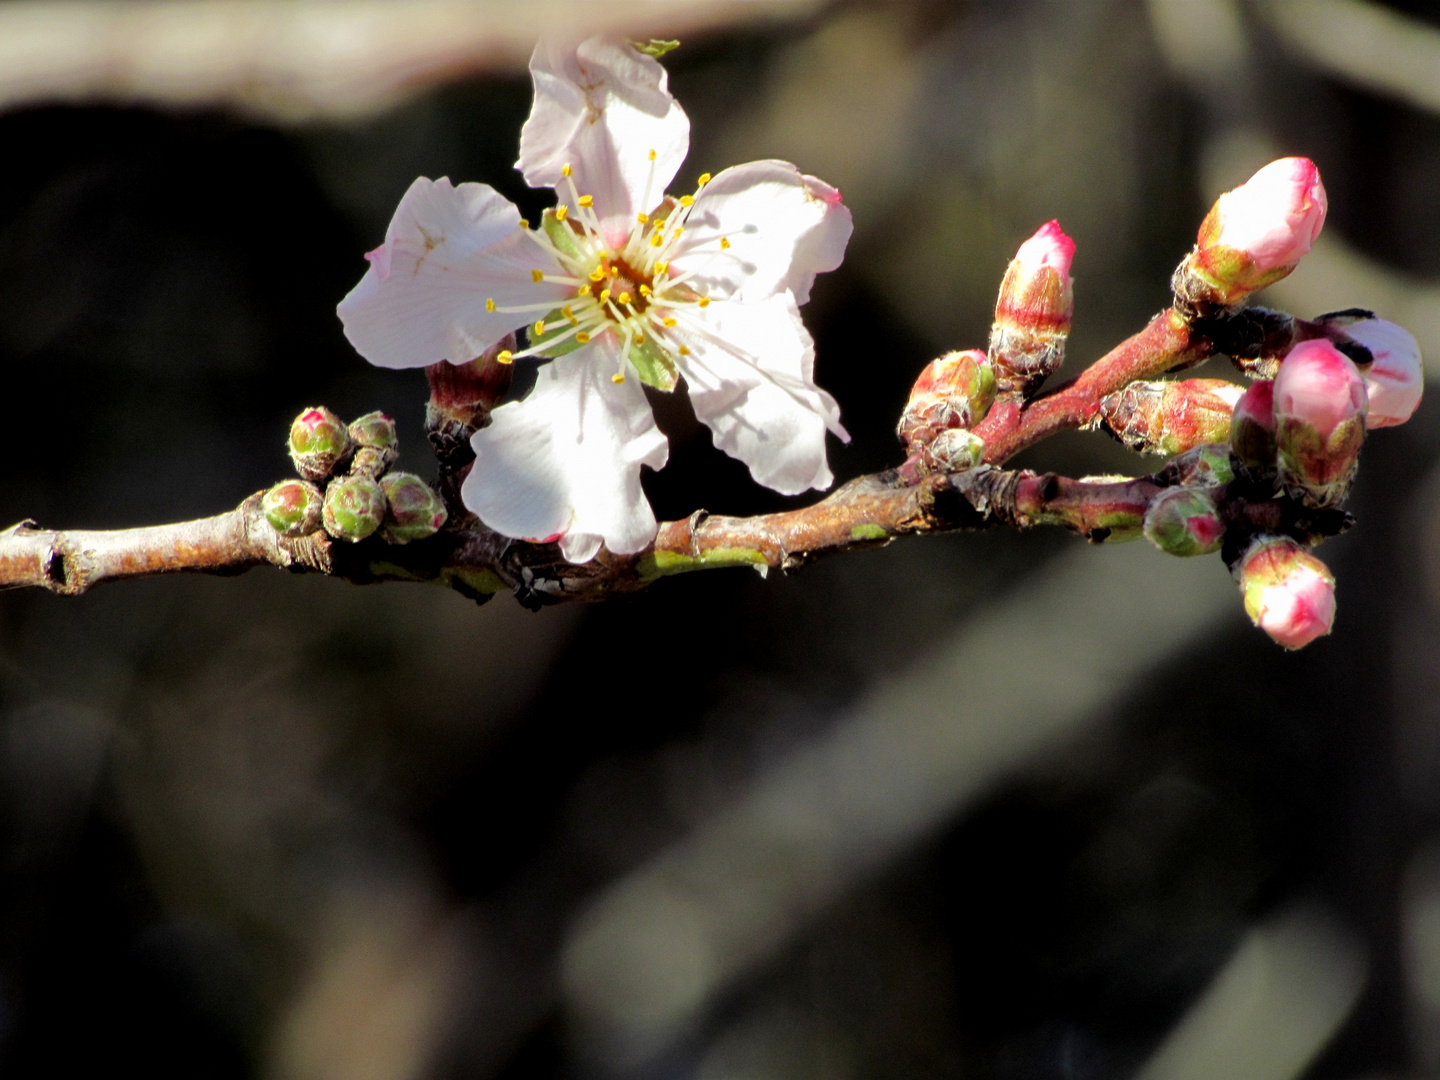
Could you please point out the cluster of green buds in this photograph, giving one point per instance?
(950, 397)
(363, 500)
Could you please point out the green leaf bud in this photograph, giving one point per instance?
(1185, 522)
(319, 443)
(414, 511)
(293, 507)
(354, 508)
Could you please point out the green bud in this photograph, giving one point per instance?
(293, 507)
(954, 391)
(1184, 521)
(377, 446)
(354, 508)
(319, 443)
(415, 511)
(955, 450)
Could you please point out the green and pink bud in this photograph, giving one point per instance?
(354, 508)
(954, 391)
(1395, 378)
(1033, 312)
(414, 510)
(1171, 417)
(1255, 235)
(1252, 427)
(1288, 592)
(1320, 408)
(954, 450)
(319, 443)
(293, 507)
(1184, 521)
(376, 444)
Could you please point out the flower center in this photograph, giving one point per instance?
(627, 290)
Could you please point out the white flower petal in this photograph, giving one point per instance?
(751, 381)
(783, 227)
(566, 461)
(601, 107)
(447, 250)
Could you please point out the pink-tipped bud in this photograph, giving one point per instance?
(1395, 380)
(952, 392)
(319, 443)
(1256, 234)
(1033, 312)
(1320, 406)
(1184, 521)
(1252, 427)
(1170, 417)
(1288, 592)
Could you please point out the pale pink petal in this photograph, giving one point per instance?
(1319, 385)
(566, 460)
(447, 250)
(1275, 216)
(1396, 380)
(783, 228)
(750, 375)
(601, 107)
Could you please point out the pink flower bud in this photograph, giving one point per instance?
(1252, 427)
(1288, 592)
(1320, 407)
(1033, 312)
(952, 392)
(1258, 233)
(1170, 417)
(1395, 381)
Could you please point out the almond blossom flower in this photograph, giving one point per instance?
(1395, 381)
(621, 285)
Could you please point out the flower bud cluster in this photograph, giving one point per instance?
(1033, 312)
(1288, 592)
(951, 396)
(1170, 417)
(366, 499)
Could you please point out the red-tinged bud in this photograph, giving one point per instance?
(1170, 417)
(952, 392)
(1288, 592)
(319, 443)
(1252, 428)
(293, 507)
(1184, 522)
(1395, 378)
(1320, 407)
(1032, 315)
(414, 510)
(466, 393)
(354, 508)
(954, 450)
(1254, 235)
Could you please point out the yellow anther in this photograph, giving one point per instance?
(624, 298)
(614, 271)
(524, 223)
(489, 305)
(724, 243)
(687, 200)
(504, 356)
(539, 327)
(604, 295)
(642, 218)
(659, 224)
(656, 240)
(679, 230)
(562, 212)
(598, 274)
(617, 378)
(582, 337)
(704, 179)
(584, 290)
(537, 276)
(586, 200)
(565, 169)
(639, 338)
(661, 266)
(568, 314)
(669, 321)
(704, 301)
(644, 290)
(652, 155)
(684, 351)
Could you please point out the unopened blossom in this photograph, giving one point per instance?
(1034, 309)
(1258, 233)
(1395, 380)
(1170, 416)
(1252, 426)
(620, 285)
(954, 391)
(1319, 408)
(1288, 592)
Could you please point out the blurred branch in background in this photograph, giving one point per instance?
(304, 60)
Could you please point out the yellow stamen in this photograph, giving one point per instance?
(524, 223)
(724, 243)
(652, 155)
(565, 170)
(584, 290)
(669, 321)
(582, 337)
(617, 378)
(679, 230)
(684, 351)
(661, 266)
(644, 290)
(687, 200)
(537, 276)
(659, 224)
(614, 271)
(704, 179)
(624, 298)
(598, 274)
(639, 337)
(505, 356)
(562, 212)
(586, 200)
(540, 328)
(604, 295)
(642, 218)
(704, 301)
(656, 240)
(568, 314)
(489, 305)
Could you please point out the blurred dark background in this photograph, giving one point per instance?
(994, 806)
